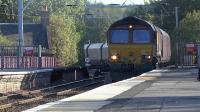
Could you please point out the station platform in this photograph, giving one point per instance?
(17, 80)
(22, 71)
(161, 90)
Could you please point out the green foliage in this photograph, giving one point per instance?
(4, 41)
(64, 39)
(168, 8)
(190, 27)
(96, 25)
(141, 12)
(8, 10)
(146, 2)
(66, 26)
(57, 6)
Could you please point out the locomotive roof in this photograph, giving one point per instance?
(133, 20)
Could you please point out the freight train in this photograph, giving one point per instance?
(132, 44)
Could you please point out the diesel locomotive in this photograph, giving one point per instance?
(135, 43)
(132, 44)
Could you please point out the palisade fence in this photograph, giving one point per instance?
(32, 57)
(186, 54)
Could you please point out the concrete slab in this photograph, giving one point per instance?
(171, 90)
(161, 90)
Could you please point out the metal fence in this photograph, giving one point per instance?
(184, 56)
(30, 57)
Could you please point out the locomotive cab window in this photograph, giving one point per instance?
(141, 36)
(119, 36)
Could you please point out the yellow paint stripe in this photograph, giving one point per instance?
(145, 78)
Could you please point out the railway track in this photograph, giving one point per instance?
(13, 102)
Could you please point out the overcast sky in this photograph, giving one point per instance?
(119, 1)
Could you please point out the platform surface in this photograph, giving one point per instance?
(23, 71)
(164, 90)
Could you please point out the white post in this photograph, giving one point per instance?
(161, 17)
(176, 14)
(75, 77)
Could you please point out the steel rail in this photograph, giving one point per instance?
(59, 93)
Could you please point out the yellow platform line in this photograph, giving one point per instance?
(145, 78)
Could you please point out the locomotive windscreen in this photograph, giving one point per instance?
(119, 36)
(141, 36)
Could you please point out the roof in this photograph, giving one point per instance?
(34, 34)
(133, 20)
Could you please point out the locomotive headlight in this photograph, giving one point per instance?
(114, 57)
(130, 26)
(148, 57)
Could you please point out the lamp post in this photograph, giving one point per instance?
(20, 29)
(20, 26)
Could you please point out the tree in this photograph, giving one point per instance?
(143, 12)
(66, 27)
(189, 27)
(168, 8)
(64, 39)
(97, 24)
(8, 10)
(66, 24)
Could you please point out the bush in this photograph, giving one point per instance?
(64, 39)
(4, 41)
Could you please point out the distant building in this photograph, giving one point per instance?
(34, 34)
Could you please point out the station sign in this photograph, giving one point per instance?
(28, 51)
(190, 48)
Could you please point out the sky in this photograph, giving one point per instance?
(120, 1)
